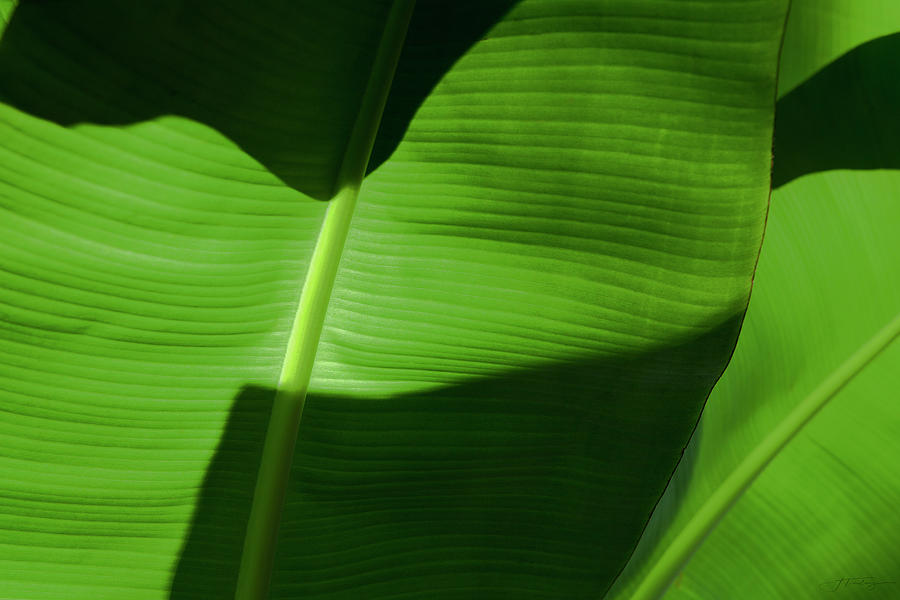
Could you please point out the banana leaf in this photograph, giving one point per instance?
(487, 258)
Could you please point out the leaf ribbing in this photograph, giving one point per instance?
(265, 514)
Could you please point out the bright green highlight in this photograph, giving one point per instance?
(287, 410)
(6, 9)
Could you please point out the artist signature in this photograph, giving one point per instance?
(868, 583)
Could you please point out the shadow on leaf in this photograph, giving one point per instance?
(537, 482)
(282, 85)
(845, 117)
(208, 565)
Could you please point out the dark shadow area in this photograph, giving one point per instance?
(440, 32)
(847, 116)
(535, 483)
(249, 69)
(209, 561)
(655, 531)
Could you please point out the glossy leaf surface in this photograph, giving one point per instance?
(543, 278)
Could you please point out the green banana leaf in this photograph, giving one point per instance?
(544, 272)
(821, 520)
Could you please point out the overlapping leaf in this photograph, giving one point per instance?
(821, 519)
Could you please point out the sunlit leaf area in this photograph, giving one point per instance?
(449, 300)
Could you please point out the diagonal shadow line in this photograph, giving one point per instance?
(250, 69)
(844, 117)
(210, 557)
(539, 480)
(440, 33)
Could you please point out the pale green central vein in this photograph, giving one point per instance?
(720, 502)
(281, 436)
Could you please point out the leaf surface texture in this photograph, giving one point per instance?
(544, 277)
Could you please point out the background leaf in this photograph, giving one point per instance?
(827, 281)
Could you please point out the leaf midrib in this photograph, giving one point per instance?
(287, 409)
(692, 535)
